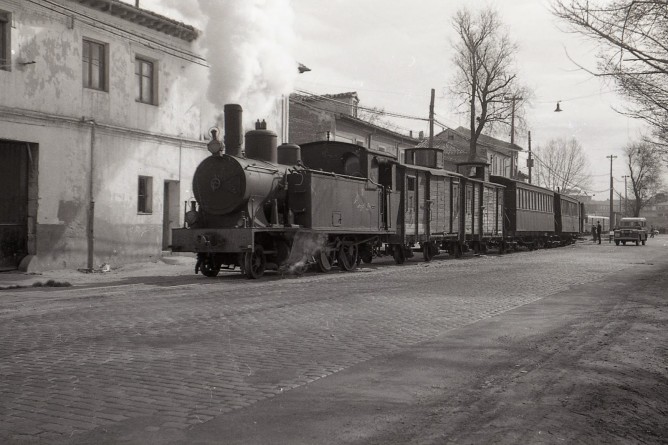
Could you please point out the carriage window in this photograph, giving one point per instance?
(410, 186)
(374, 170)
(351, 165)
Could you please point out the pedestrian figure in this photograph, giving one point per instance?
(651, 231)
(593, 232)
(598, 231)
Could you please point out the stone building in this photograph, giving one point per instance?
(99, 132)
(335, 116)
(500, 155)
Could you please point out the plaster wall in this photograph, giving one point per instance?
(52, 37)
(121, 234)
(44, 103)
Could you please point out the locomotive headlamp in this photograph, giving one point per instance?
(215, 146)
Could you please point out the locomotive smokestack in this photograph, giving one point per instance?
(233, 129)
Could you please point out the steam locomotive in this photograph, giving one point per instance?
(336, 204)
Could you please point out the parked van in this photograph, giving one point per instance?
(631, 229)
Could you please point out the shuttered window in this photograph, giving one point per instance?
(145, 80)
(5, 47)
(94, 65)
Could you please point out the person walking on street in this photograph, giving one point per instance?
(598, 231)
(593, 232)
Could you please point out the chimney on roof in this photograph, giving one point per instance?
(136, 3)
(421, 134)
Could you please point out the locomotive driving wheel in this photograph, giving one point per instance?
(325, 260)
(347, 255)
(254, 262)
(209, 266)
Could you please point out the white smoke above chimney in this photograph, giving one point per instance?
(249, 47)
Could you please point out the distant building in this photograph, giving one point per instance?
(501, 156)
(657, 215)
(335, 116)
(99, 132)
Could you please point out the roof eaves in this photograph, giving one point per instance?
(143, 17)
(376, 127)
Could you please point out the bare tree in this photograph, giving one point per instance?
(485, 79)
(644, 164)
(633, 40)
(561, 164)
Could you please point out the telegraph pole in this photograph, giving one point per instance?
(612, 210)
(530, 160)
(512, 116)
(513, 99)
(431, 119)
(626, 197)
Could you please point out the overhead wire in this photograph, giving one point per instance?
(370, 110)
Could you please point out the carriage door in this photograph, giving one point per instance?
(13, 203)
(455, 200)
(468, 210)
(424, 204)
(411, 205)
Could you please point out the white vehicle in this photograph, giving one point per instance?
(631, 230)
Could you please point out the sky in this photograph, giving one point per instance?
(393, 52)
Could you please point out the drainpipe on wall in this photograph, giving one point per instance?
(91, 196)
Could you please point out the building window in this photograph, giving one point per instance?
(94, 65)
(145, 76)
(5, 47)
(411, 184)
(145, 195)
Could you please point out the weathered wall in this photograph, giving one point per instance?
(308, 124)
(45, 103)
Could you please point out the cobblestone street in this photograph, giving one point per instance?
(181, 352)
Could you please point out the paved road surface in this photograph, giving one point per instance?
(474, 350)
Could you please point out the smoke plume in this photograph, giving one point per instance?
(249, 47)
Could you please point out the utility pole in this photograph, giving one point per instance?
(530, 160)
(626, 197)
(513, 99)
(431, 119)
(612, 210)
(512, 116)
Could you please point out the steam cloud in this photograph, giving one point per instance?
(249, 45)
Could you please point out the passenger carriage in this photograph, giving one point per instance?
(529, 213)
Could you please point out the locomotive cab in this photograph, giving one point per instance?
(351, 160)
